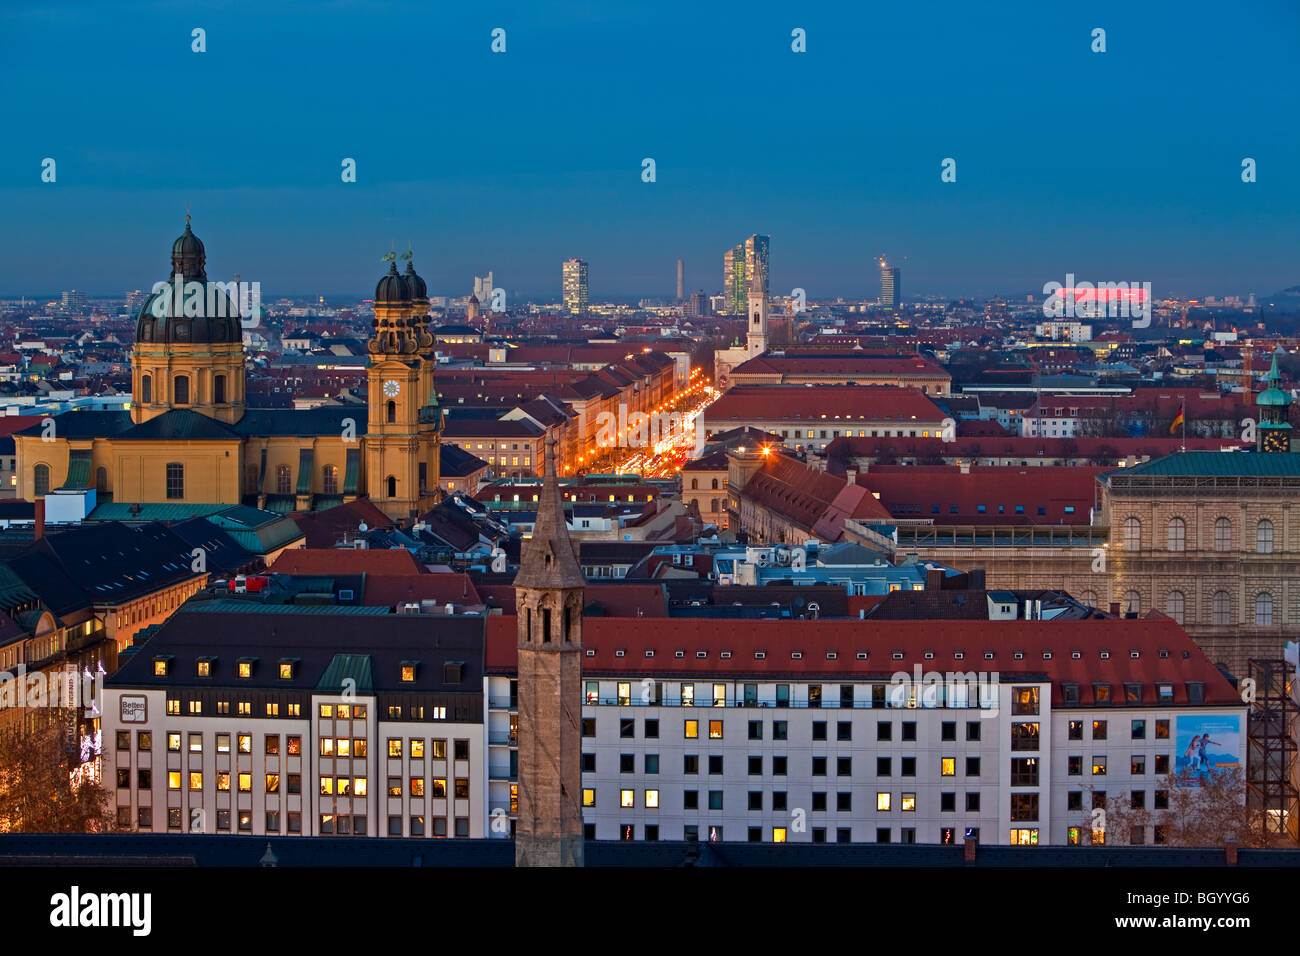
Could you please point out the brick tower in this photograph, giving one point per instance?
(548, 601)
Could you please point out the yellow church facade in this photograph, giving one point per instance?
(190, 437)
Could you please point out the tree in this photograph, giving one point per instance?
(37, 789)
(1205, 812)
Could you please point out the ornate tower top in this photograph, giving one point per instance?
(548, 560)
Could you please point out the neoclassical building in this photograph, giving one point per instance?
(190, 437)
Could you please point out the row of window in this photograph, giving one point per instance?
(1176, 535)
(1176, 606)
(714, 834)
(1137, 765)
(181, 389)
(885, 801)
(781, 765)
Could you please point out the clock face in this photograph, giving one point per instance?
(392, 387)
(1274, 441)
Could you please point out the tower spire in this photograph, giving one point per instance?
(548, 560)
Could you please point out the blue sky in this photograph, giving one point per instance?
(1120, 166)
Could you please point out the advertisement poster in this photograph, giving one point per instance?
(1205, 743)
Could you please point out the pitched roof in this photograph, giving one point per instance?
(180, 424)
(1218, 464)
(992, 492)
(548, 558)
(346, 561)
(897, 646)
(389, 590)
(811, 498)
(825, 404)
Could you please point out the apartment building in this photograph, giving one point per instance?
(799, 731)
(313, 720)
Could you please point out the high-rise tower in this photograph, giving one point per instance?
(574, 278)
(744, 263)
(548, 609)
(890, 286)
(681, 275)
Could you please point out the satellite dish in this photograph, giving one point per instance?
(363, 527)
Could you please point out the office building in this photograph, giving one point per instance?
(575, 286)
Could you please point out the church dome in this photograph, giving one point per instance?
(194, 311)
(413, 282)
(392, 287)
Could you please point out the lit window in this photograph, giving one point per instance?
(173, 780)
(245, 783)
(245, 743)
(627, 798)
(692, 729)
(245, 669)
(715, 730)
(909, 803)
(327, 710)
(408, 672)
(286, 670)
(417, 748)
(948, 766)
(204, 669)
(883, 801)
(394, 747)
(588, 797)
(652, 799)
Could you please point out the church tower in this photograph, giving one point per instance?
(548, 601)
(403, 428)
(1273, 434)
(189, 343)
(756, 338)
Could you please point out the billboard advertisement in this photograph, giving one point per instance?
(1205, 743)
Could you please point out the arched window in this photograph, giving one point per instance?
(175, 480)
(146, 388)
(1222, 534)
(281, 479)
(1176, 605)
(252, 472)
(1132, 534)
(1132, 602)
(695, 484)
(1221, 609)
(1089, 598)
(41, 480)
(392, 412)
(330, 479)
(715, 484)
(219, 390)
(1263, 609)
(181, 390)
(713, 506)
(1177, 534)
(101, 480)
(1264, 537)
(391, 482)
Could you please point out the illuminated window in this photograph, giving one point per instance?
(344, 711)
(624, 694)
(1024, 836)
(883, 801)
(688, 695)
(417, 748)
(160, 667)
(359, 786)
(286, 670)
(245, 783)
(272, 783)
(245, 743)
(343, 747)
(245, 669)
(1098, 766)
(692, 729)
(909, 803)
(588, 797)
(327, 746)
(327, 710)
(652, 799)
(173, 780)
(408, 672)
(174, 742)
(327, 786)
(715, 730)
(223, 780)
(173, 706)
(394, 746)
(948, 766)
(204, 669)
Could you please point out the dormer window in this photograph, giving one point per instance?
(408, 671)
(245, 667)
(287, 668)
(452, 671)
(203, 667)
(160, 666)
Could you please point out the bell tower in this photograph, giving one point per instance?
(756, 337)
(401, 438)
(548, 601)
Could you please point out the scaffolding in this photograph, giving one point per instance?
(1272, 724)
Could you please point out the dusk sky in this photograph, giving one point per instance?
(1119, 166)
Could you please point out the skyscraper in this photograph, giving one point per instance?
(483, 291)
(890, 287)
(575, 286)
(739, 266)
(680, 277)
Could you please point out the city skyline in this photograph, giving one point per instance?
(1027, 206)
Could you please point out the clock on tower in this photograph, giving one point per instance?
(392, 388)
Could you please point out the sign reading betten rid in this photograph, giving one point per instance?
(133, 709)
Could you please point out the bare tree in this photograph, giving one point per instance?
(39, 793)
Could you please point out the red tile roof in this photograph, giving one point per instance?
(388, 590)
(914, 491)
(346, 561)
(845, 364)
(779, 639)
(811, 498)
(827, 405)
(325, 528)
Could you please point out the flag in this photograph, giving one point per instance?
(1178, 420)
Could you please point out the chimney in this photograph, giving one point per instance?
(1114, 608)
(851, 476)
(968, 850)
(975, 579)
(965, 467)
(38, 528)
(1230, 852)
(934, 579)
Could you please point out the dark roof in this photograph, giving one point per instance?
(323, 420)
(317, 636)
(1218, 464)
(455, 462)
(86, 424)
(222, 554)
(180, 423)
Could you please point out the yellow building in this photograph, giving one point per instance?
(190, 437)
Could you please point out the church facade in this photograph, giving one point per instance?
(190, 437)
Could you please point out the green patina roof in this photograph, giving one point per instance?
(352, 474)
(305, 458)
(355, 667)
(1217, 464)
(152, 511)
(78, 470)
